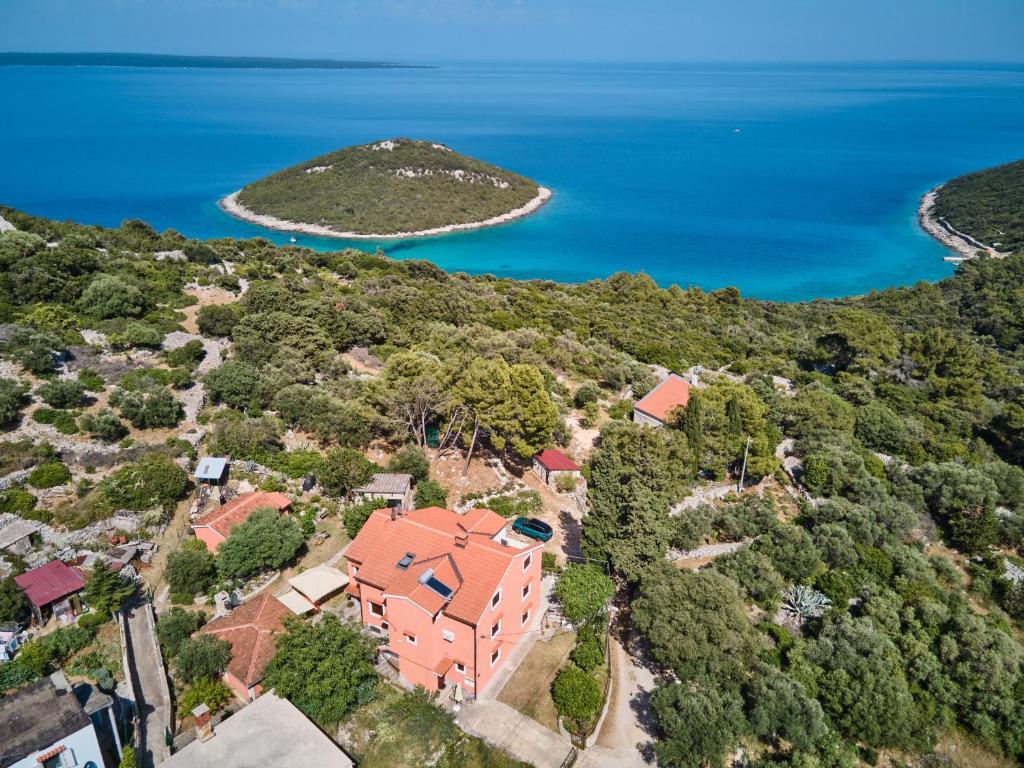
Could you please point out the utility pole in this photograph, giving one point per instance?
(743, 472)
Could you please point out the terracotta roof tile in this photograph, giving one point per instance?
(673, 392)
(472, 571)
(250, 629)
(237, 510)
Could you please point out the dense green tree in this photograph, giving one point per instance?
(962, 498)
(263, 542)
(778, 707)
(103, 425)
(12, 400)
(191, 569)
(111, 296)
(583, 590)
(813, 411)
(791, 551)
(325, 669)
(691, 421)
(356, 515)
(754, 572)
(106, 591)
(14, 605)
(430, 494)
(700, 723)
(217, 320)
(576, 694)
(233, 383)
(344, 469)
(697, 625)
(201, 656)
(411, 461)
(856, 674)
(636, 474)
(153, 408)
(176, 626)
(61, 393)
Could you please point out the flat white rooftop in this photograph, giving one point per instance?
(270, 731)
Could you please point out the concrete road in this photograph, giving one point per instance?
(150, 684)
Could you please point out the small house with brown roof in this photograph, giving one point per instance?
(452, 594)
(215, 526)
(657, 407)
(250, 629)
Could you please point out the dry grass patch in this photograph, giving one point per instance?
(528, 690)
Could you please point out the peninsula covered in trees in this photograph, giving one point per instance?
(986, 205)
(387, 189)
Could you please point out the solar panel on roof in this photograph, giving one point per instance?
(440, 587)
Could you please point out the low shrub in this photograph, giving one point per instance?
(49, 475)
(62, 421)
(588, 655)
(576, 694)
(205, 690)
(17, 501)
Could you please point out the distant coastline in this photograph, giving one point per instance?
(13, 59)
(231, 206)
(965, 246)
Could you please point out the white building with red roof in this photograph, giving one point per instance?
(658, 407)
(550, 464)
(452, 593)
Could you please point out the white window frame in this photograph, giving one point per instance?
(495, 656)
(460, 667)
(495, 599)
(447, 635)
(528, 561)
(527, 589)
(496, 628)
(410, 639)
(375, 605)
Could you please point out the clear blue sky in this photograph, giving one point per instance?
(431, 30)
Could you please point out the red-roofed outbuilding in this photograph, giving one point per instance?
(52, 588)
(550, 464)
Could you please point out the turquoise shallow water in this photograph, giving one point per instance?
(788, 182)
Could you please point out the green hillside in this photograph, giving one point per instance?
(387, 187)
(988, 205)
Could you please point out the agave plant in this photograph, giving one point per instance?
(804, 603)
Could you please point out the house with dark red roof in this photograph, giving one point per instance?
(250, 628)
(550, 464)
(53, 589)
(452, 594)
(658, 407)
(214, 527)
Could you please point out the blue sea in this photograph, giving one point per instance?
(787, 181)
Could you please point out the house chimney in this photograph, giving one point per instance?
(461, 541)
(204, 725)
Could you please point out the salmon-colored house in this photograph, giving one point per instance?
(452, 593)
(214, 527)
(250, 629)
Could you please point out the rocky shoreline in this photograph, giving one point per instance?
(231, 206)
(959, 243)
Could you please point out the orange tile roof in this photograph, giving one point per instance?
(250, 629)
(673, 392)
(473, 571)
(237, 510)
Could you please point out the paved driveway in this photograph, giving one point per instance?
(152, 695)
